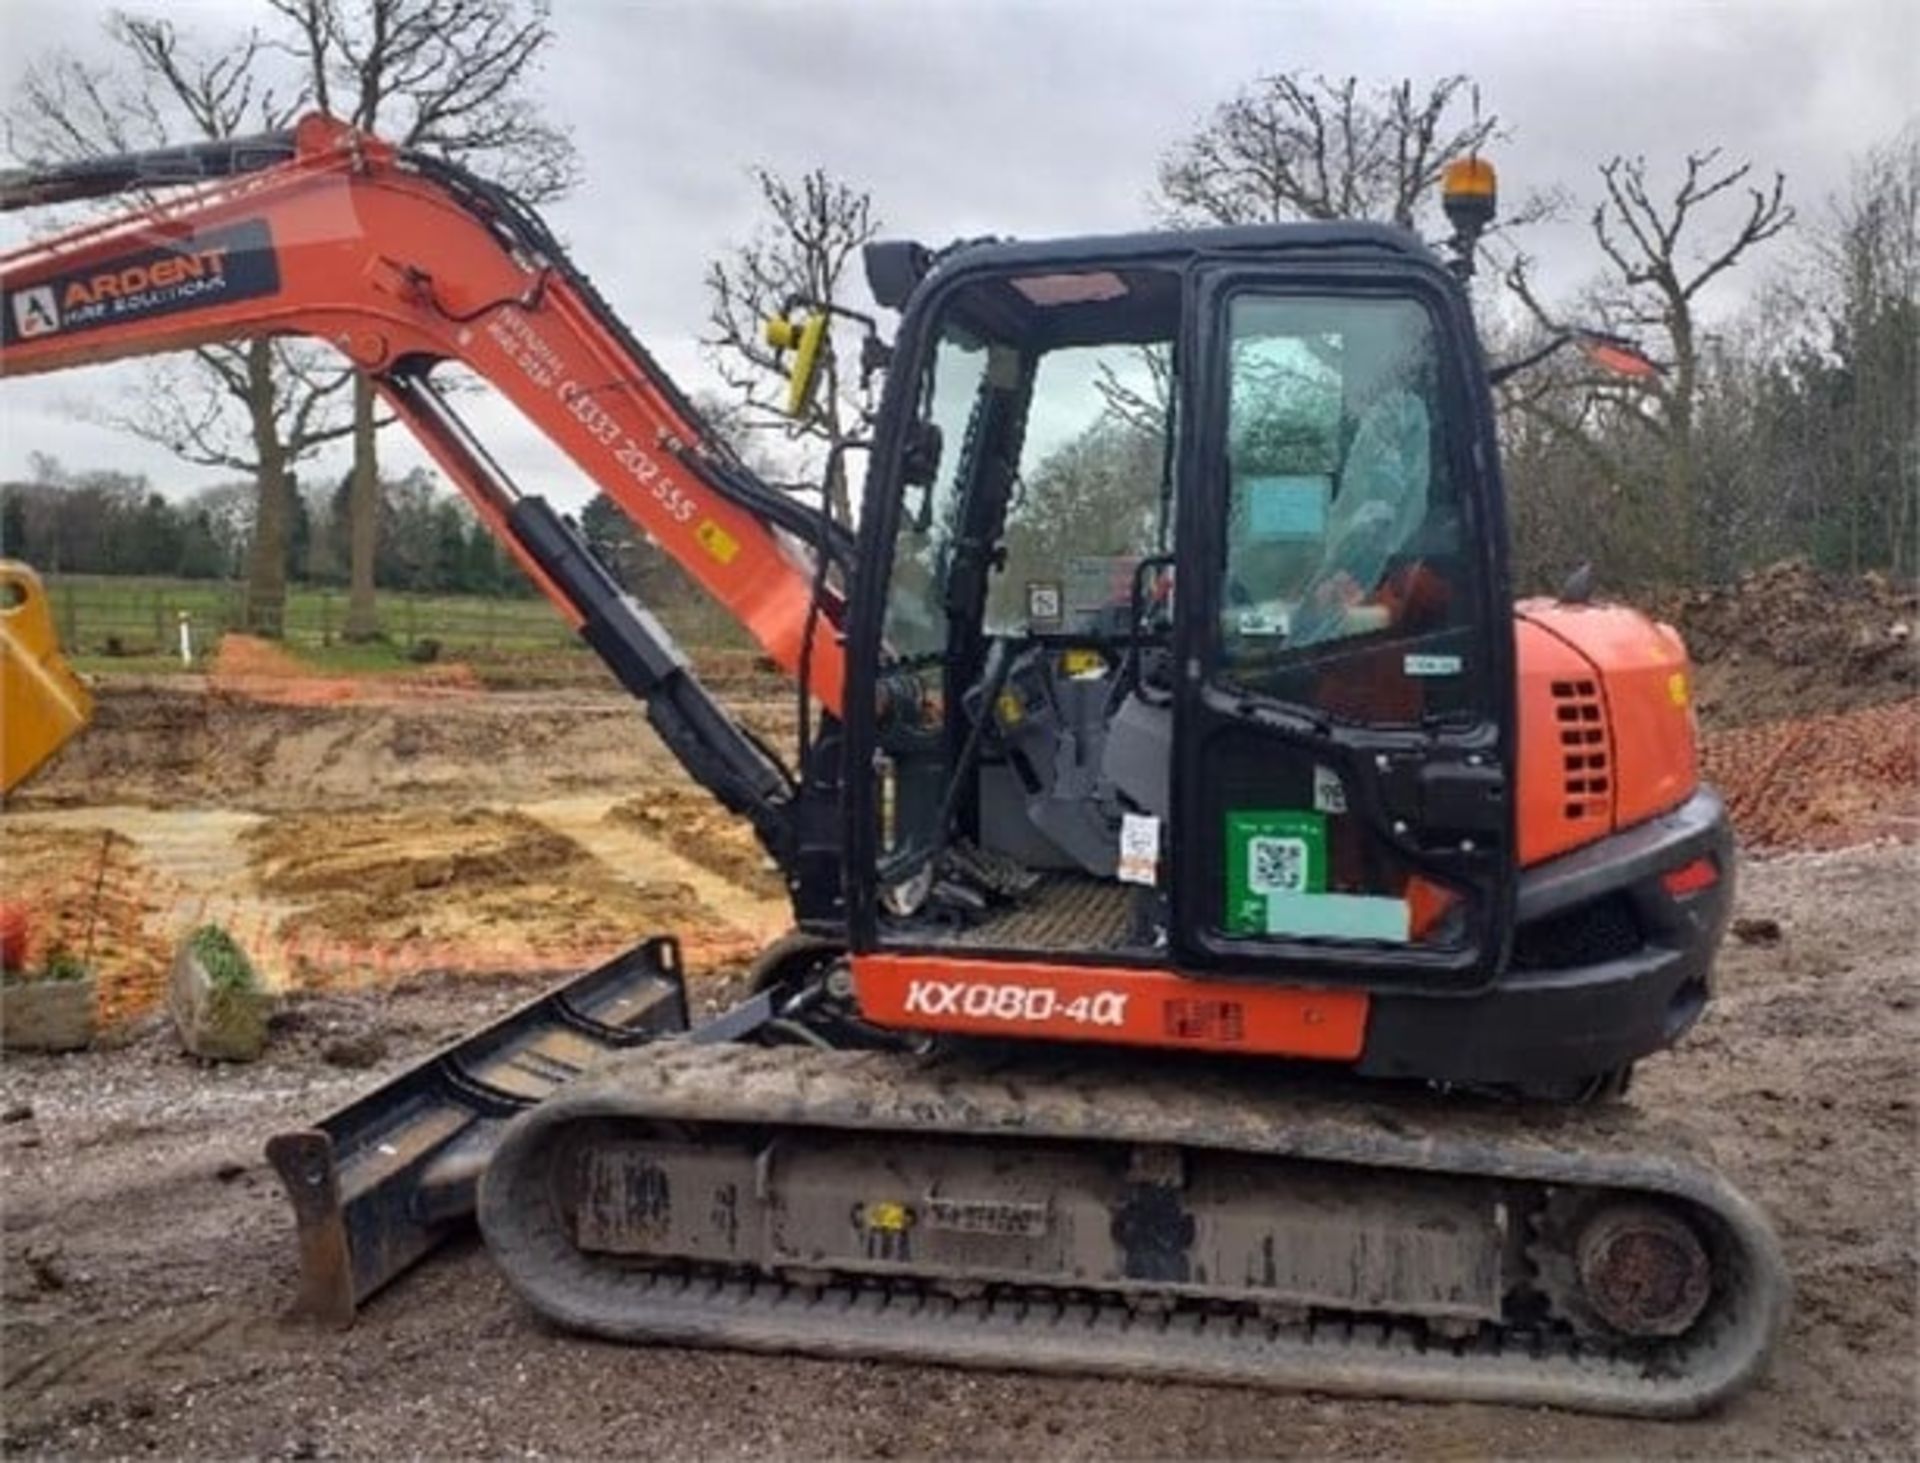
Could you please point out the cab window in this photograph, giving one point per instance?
(1092, 494)
(1342, 520)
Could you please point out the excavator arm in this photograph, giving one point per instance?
(405, 263)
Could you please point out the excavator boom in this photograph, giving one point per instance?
(404, 263)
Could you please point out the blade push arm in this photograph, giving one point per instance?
(403, 262)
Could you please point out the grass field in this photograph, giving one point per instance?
(132, 624)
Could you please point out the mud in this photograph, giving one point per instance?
(263, 671)
(1825, 781)
(478, 888)
(346, 842)
(707, 834)
(177, 744)
(147, 1257)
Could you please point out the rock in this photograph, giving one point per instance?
(217, 1024)
(1756, 930)
(130, 1032)
(356, 1053)
(20, 1112)
(46, 1269)
(46, 1015)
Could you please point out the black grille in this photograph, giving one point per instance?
(1606, 929)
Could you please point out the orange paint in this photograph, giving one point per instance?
(1635, 671)
(1565, 793)
(384, 262)
(1117, 1005)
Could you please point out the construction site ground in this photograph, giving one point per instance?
(408, 855)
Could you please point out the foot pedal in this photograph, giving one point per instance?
(997, 873)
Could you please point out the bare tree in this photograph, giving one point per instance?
(163, 89)
(1298, 146)
(816, 226)
(1872, 248)
(445, 76)
(1143, 398)
(1661, 252)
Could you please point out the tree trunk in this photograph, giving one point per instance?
(363, 518)
(837, 500)
(267, 559)
(1681, 528)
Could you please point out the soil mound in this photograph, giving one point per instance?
(701, 831)
(468, 890)
(1787, 640)
(168, 744)
(245, 665)
(1826, 781)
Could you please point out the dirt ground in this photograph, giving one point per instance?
(706, 833)
(408, 858)
(148, 1255)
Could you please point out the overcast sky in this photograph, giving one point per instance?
(1038, 119)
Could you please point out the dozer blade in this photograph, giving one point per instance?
(379, 1184)
(1170, 1224)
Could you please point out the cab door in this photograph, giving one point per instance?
(1344, 716)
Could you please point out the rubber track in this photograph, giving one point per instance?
(1075, 1332)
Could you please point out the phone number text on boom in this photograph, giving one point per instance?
(539, 361)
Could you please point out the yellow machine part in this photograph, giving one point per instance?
(42, 702)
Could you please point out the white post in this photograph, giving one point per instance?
(186, 638)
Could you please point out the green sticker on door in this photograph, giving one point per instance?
(1277, 883)
(1271, 851)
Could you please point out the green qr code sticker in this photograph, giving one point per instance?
(1268, 852)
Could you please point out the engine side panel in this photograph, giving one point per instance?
(1607, 737)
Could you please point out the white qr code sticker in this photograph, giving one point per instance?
(1329, 792)
(1139, 849)
(1276, 865)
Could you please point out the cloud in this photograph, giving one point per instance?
(1037, 119)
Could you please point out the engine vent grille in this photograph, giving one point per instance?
(1588, 934)
(1586, 758)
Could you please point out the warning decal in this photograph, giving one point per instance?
(235, 262)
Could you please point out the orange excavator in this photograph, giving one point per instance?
(1225, 922)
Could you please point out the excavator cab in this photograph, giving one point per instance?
(1185, 543)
